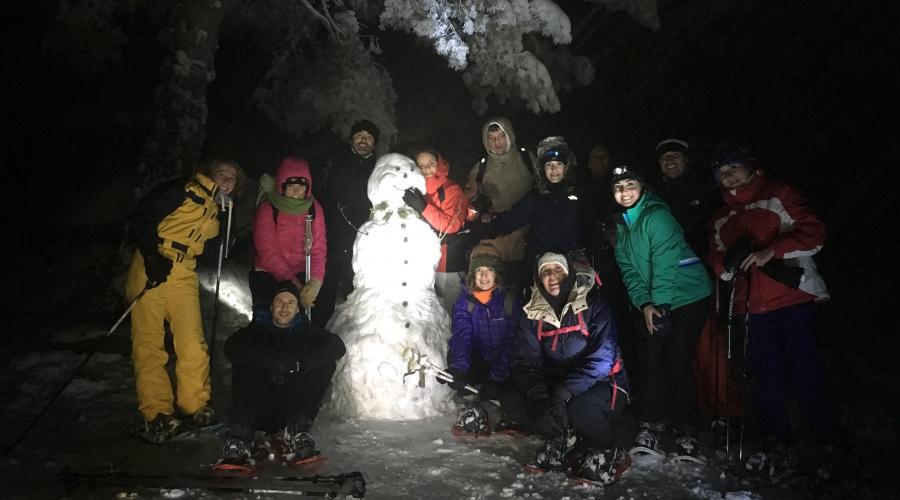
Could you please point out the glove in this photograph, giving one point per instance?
(736, 255)
(489, 390)
(157, 269)
(459, 379)
(783, 273)
(309, 292)
(415, 199)
(550, 418)
(480, 203)
(663, 323)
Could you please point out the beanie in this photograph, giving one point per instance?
(623, 172)
(484, 255)
(667, 145)
(366, 125)
(732, 154)
(286, 286)
(555, 148)
(553, 258)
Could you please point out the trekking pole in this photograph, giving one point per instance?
(127, 311)
(744, 374)
(728, 378)
(223, 251)
(308, 245)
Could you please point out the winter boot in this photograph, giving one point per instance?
(687, 449)
(161, 429)
(550, 456)
(647, 440)
(509, 426)
(473, 419)
(301, 447)
(236, 458)
(203, 417)
(601, 467)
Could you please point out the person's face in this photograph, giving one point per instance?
(627, 192)
(295, 191)
(363, 143)
(672, 164)
(599, 162)
(284, 308)
(551, 277)
(734, 175)
(427, 163)
(555, 171)
(485, 278)
(497, 141)
(225, 177)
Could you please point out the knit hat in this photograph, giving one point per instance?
(555, 148)
(484, 255)
(732, 154)
(366, 125)
(553, 258)
(667, 145)
(624, 172)
(286, 286)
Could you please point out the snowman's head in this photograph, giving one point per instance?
(393, 174)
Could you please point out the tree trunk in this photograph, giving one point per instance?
(173, 147)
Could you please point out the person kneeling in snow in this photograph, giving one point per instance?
(484, 322)
(281, 367)
(567, 370)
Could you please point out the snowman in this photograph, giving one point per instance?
(393, 308)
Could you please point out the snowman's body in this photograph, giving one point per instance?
(393, 307)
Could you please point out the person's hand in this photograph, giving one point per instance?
(758, 258)
(657, 318)
(157, 269)
(309, 292)
(415, 199)
(459, 379)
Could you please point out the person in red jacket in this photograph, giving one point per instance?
(279, 235)
(763, 241)
(444, 207)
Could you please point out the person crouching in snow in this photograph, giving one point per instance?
(444, 208)
(567, 370)
(279, 235)
(168, 228)
(483, 324)
(281, 367)
(764, 239)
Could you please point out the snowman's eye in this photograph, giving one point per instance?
(397, 169)
(412, 169)
(404, 176)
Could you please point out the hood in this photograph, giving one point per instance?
(507, 127)
(538, 307)
(440, 175)
(293, 167)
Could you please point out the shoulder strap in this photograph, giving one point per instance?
(479, 178)
(508, 303)
(441, 194)
(471, 306)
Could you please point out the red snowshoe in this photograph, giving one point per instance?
(236, 461)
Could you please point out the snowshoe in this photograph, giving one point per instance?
(647, 440)
(161, 429)
(551, 456)
(301, 448)
(236, 460)
(773, 467)
(687, 449)
(601, 467)
(472, 421)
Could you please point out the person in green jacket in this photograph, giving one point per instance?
(668, 284)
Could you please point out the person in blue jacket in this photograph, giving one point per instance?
(567, 370)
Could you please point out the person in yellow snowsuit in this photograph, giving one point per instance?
(169, 227)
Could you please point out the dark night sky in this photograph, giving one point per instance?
(810, 85)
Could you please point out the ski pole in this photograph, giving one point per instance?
(127, 311)
(728, 378)
(744, 373)
(223, 250)
(308, 245)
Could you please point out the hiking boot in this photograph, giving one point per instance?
(203, 417)
(688, 448)
(473, 419)
(299, 443)
(647, 439)
(551, 455)
(598, 466)
(161, 429)
(237, 452)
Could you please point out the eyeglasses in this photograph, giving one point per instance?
(296, 180)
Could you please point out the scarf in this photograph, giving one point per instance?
(483, 296)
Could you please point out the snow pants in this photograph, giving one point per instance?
(589, 413)
(177, 301)
(260, 400)
(782, 353)
(666, 375)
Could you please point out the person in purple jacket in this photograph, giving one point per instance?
(483, 326)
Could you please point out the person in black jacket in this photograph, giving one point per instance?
(281, 367)
(346, 202)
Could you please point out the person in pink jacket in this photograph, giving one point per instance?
(279, 235)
